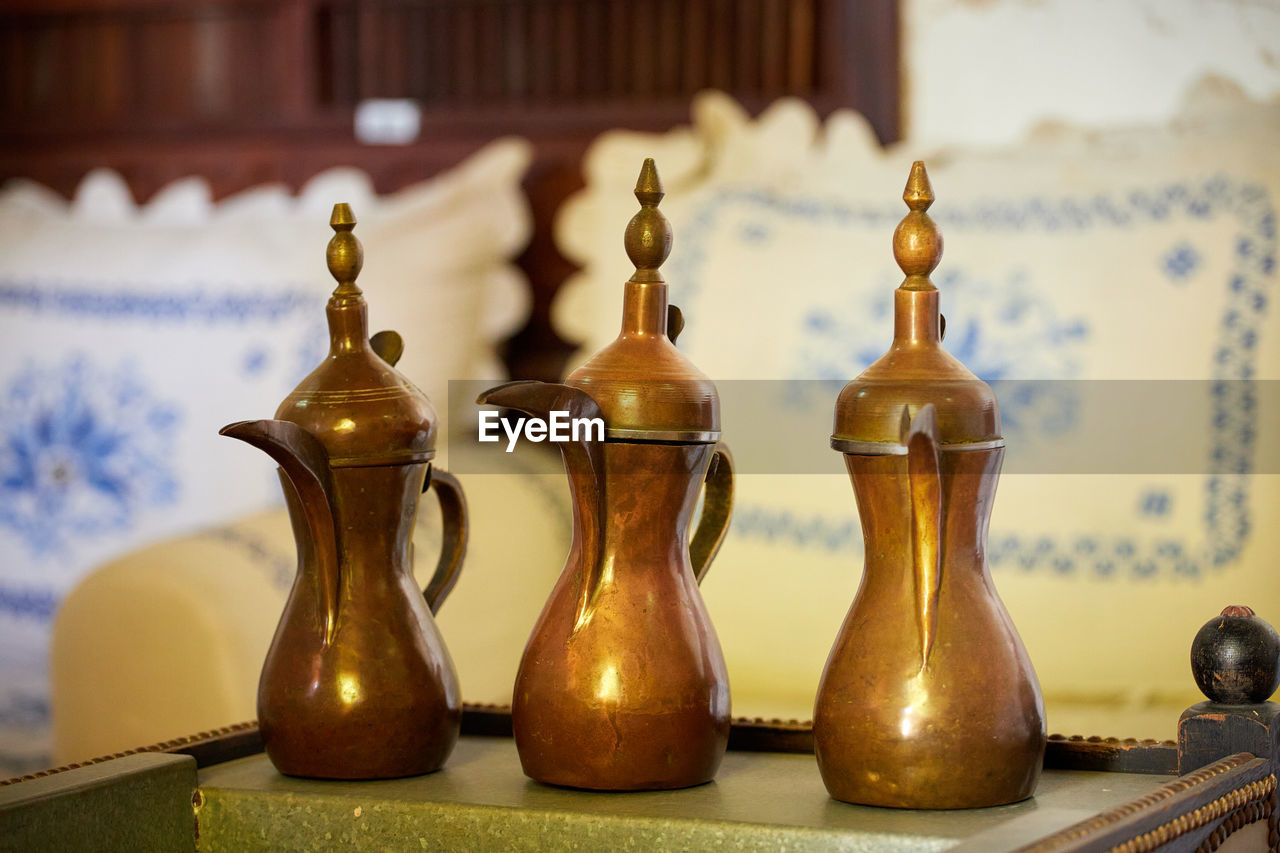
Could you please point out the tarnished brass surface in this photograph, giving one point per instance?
(622, 685)
(359, 406)
(928, 699)
(916, 369)
(625, 686)
(646, 387)
(358, 683)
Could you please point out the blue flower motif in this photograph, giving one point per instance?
(82, 451)
(1155, 503)
(1180, 262)
(255, 361)
(1014, 333)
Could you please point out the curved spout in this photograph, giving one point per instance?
(305, 462)
(583, 461)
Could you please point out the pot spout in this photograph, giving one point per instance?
(583, 461)
(305, 463)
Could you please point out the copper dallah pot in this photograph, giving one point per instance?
(358, 683)
(928, 699)
(622, 685)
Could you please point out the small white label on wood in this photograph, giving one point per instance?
(388, 121)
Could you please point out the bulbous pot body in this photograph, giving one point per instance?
(379, 698)
(948, 717)
(622, 685)
(357, 683)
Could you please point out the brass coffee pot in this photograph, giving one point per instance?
(622, 685)
(928, 699)
(358, 683)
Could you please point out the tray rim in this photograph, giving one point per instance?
(746, 734)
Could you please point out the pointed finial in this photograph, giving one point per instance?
(919, 193)
(648, 185)
(648, 236)
(917, 243)
(344, 254)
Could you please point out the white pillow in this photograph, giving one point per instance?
(130, 334)
(1146, 255)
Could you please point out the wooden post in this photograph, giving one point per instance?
(1235, 659)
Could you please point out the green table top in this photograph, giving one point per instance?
(481, 801)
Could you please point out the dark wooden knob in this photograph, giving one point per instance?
(1235, 658)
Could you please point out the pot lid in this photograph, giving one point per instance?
(362, 409)
(645, 387)
(873, 408)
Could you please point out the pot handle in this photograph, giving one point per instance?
(455, 528)
(717, 507)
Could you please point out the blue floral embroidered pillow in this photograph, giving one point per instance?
(129, 335)
(1115, 271)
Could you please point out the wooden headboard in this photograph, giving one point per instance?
(243, 92)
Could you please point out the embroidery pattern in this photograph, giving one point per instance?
(1226, 518)
(83, 450)
(197, 303)
(1032, 341)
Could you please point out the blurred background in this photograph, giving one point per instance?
(169, 170)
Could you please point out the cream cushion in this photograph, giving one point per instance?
(129, 334)
(1140, 255)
